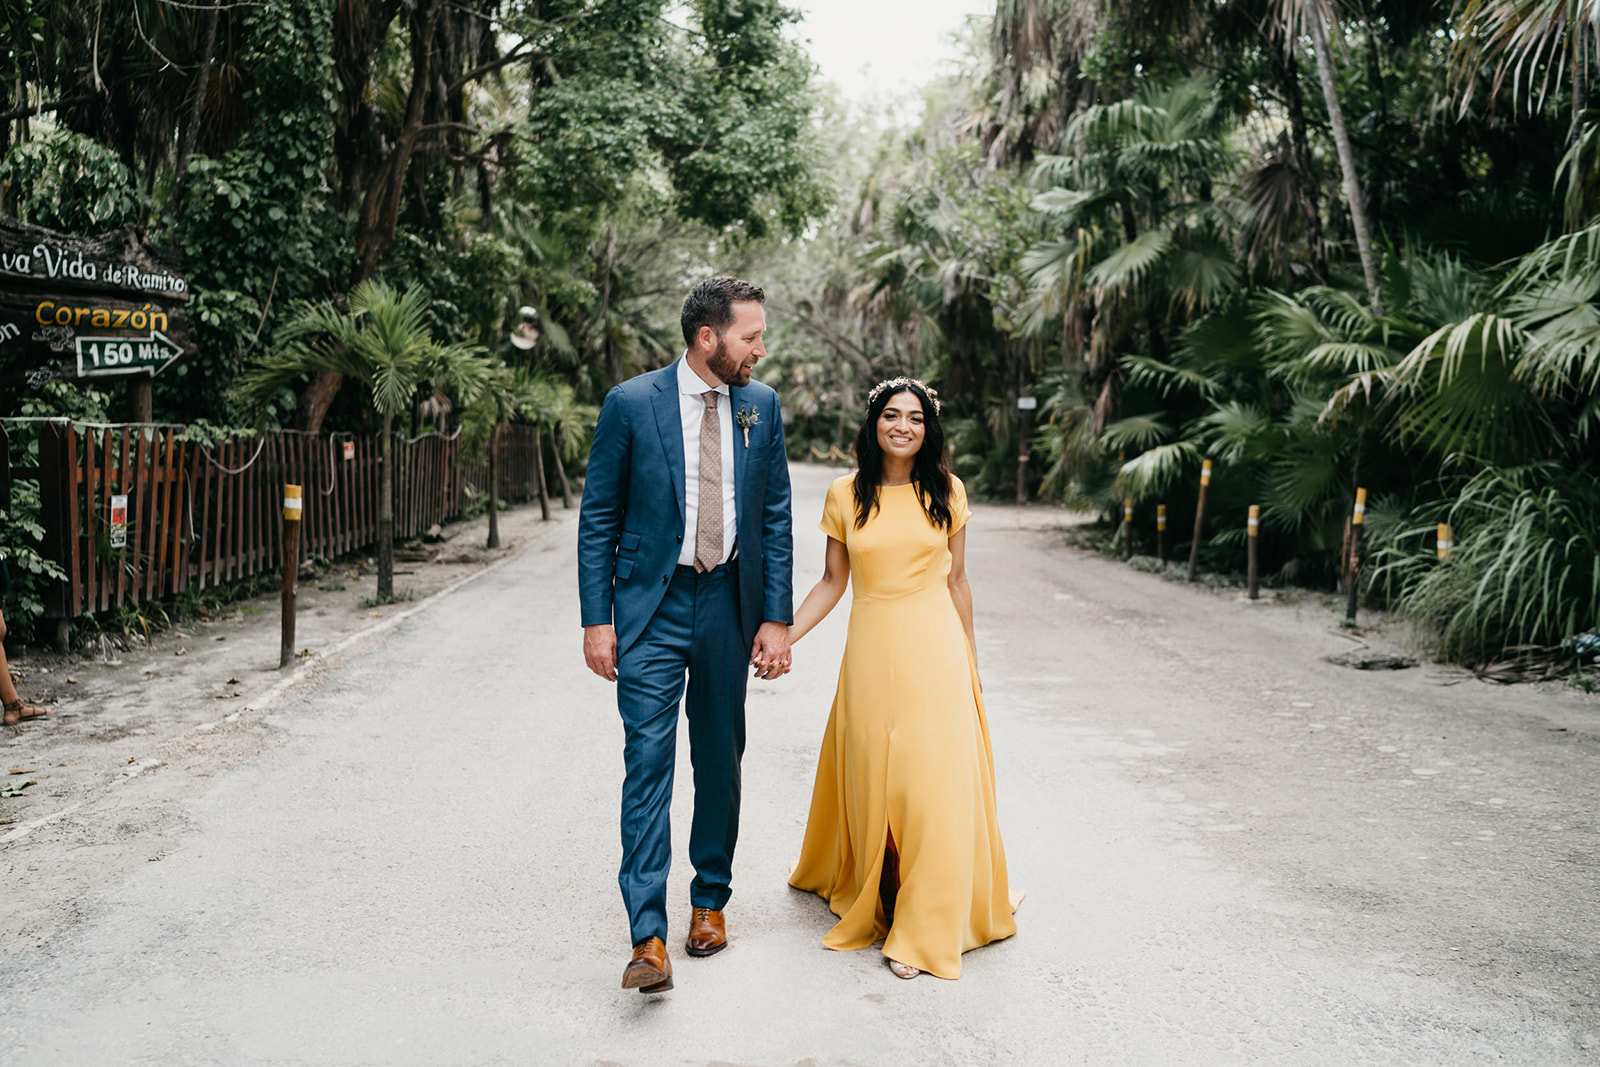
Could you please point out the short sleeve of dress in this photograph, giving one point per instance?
(832, 522)
(959, 512)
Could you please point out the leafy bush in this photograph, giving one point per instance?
(69, 182)
(1525, 570)
(21, 532)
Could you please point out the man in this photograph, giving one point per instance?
(685, 567)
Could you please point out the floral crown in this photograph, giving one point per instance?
(896, 383)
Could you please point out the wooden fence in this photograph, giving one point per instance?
(198, 516)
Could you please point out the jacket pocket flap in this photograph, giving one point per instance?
(624, 569)
(628, 542)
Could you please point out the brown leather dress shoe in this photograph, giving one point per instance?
(708, 934)
(650, 971)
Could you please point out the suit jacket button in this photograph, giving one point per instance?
(680, 539)
(664, 579)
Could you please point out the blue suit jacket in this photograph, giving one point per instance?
(631, 527)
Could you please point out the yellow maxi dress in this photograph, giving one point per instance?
(906, 750)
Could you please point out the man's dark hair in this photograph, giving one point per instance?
(711, 304)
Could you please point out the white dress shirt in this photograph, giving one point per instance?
(692, 409)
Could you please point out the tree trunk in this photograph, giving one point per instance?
(561, 468)
(613, 356)
(141, 394)
(1301, 145)
(386, 513)
(1578, 42)
(1347, 159)
(202, 82)
(494, 487)
(380, 207)
(538, 473)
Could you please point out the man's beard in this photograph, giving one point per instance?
(724, 366)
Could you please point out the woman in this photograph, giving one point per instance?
(902, 840)
(13, 709)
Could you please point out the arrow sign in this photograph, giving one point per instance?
(99, 356)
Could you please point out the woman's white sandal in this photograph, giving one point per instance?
(902, 970)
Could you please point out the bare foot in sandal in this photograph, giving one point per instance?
(17, 710)
(902, 970)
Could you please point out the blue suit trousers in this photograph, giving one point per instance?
(695, 632)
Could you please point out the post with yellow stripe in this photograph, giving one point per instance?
(1357, 521)
(291, 570)
(1199, 519)
(1447, 541)
(1251, 578)
(1127, 527)
(1161, 532)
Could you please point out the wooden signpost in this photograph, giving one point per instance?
(1026, 405)
(113, 305)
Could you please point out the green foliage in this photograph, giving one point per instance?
(21, 531)
(380, 340)
(68, 182)
(252, 226)
(1525, 570)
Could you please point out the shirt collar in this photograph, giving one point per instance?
(691, 383)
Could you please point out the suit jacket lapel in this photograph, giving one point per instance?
(669, 421)
(735, 402)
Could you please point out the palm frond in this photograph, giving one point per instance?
(1151, 473)
(1132, 265)
(1135, 432)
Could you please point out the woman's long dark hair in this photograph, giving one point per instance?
(930, 468)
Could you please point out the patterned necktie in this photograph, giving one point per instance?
(708, 524)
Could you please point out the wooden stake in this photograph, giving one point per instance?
(291, 570)
(1199, 519)
(1357, 521)
(1447, 542)
(1022, 455)
(1127, 527)
(1251, 579)
(1161, 532)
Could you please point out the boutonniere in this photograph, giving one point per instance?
(748, 417)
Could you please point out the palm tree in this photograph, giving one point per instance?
(550, 405)
(483, 422)
(1538, 43)
(382, 341)
(1313, 18)
(1139, 236)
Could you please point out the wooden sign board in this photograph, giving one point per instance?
(115, 304)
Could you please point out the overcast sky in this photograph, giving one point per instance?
(880, 50)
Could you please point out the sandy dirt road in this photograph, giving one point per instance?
(1235, 853)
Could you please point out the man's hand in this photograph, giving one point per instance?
(770, 655)
(600, 650)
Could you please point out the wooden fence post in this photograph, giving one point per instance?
(55, 481)
(1199, 519)
(1255, 522)
(291, 570)
(1357, 521)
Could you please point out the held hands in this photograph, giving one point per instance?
(770, 655)
(600, 650)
